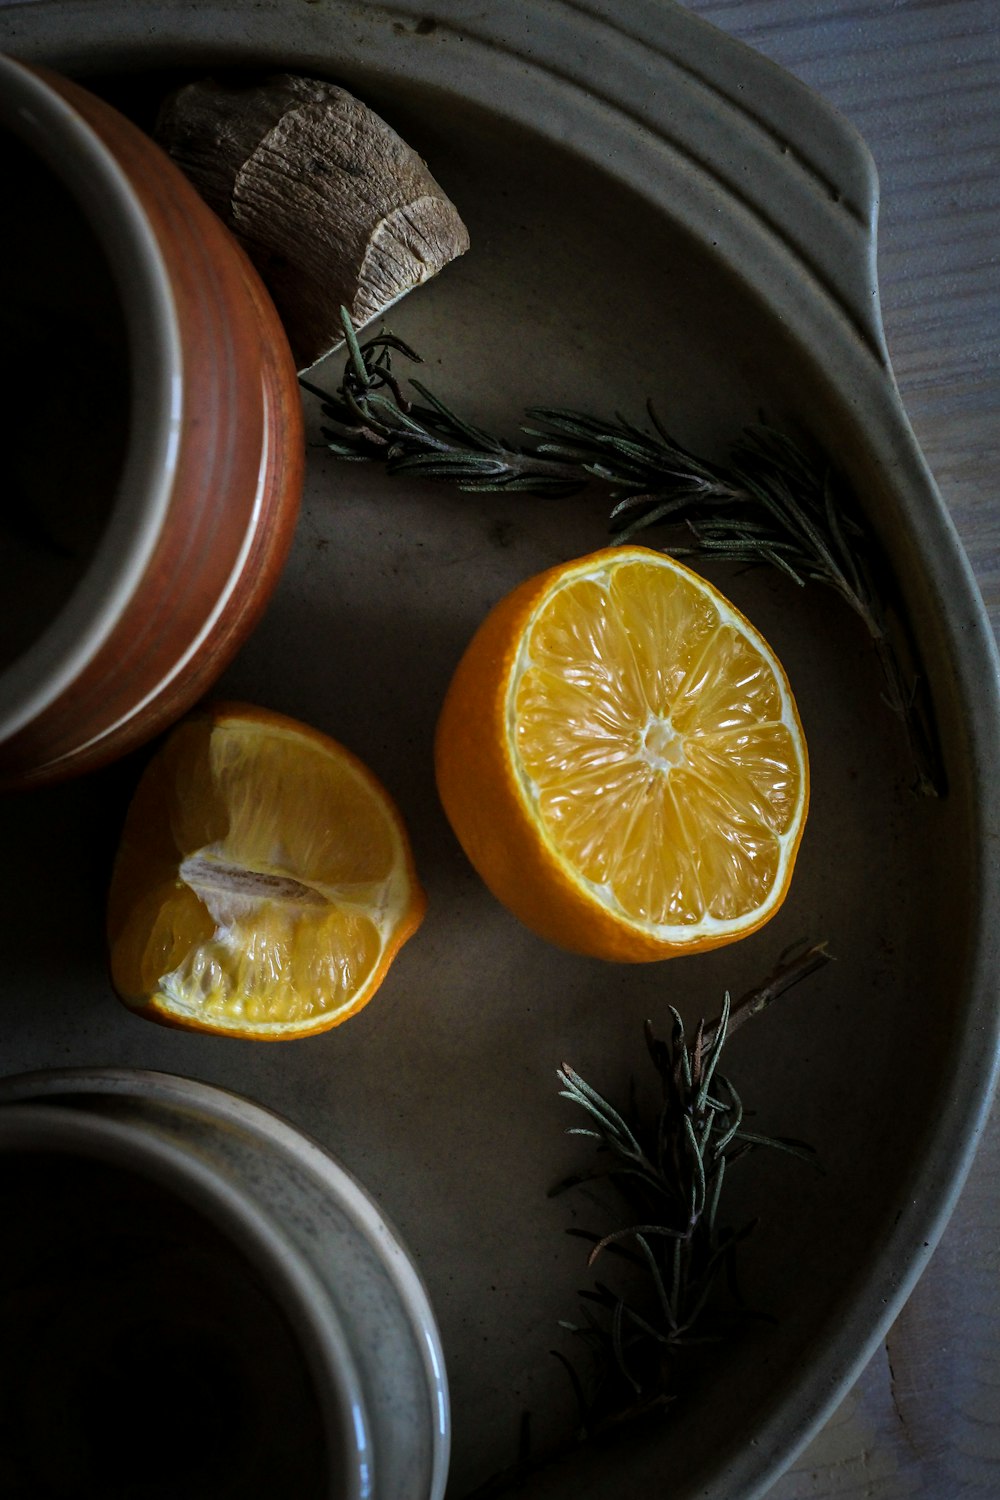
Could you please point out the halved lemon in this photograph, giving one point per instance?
(620, 756)
(263, 883)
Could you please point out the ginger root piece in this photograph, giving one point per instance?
(332, 207)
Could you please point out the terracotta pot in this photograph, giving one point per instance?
(197, 510)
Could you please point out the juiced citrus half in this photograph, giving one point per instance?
(263, 883)
(620, 755)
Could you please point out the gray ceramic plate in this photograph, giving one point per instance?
(653, 211)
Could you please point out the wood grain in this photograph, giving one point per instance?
(920, 79)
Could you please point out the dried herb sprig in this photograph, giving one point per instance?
(666, 1168)
(770, 503)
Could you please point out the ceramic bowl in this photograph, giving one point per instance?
(333, 1308)
(158, 441)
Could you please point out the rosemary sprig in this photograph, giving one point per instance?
(667, 1168)
(770, 503)
(369, 418)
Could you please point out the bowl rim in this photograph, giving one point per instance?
(50, 127)
(38, 1126)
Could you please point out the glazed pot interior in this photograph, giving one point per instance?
(88, 331)
(64, 336)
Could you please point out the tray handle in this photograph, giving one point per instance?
(766, 139)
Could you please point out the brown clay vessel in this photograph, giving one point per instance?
(205, 489)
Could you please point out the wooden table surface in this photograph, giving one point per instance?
(921, 80)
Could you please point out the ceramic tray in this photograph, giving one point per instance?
(656, 212)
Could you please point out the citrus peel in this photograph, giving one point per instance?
(620, 755)
(263, 883)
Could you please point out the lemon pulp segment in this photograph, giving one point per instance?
(282, 880)
(659, 745)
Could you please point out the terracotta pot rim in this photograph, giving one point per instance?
(49, 126)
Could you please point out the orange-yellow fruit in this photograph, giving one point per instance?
(621, 758)
(264, 881)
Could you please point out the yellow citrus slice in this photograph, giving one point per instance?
(621, 758)
(263, 883)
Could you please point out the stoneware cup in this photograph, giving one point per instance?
(160, 453)
(200, 1183)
